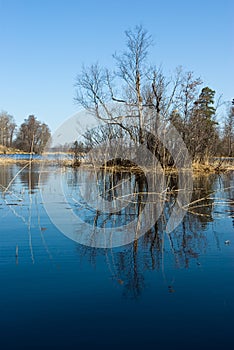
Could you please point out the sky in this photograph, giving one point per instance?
(43, 45)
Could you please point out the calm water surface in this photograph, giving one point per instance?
(161, 292)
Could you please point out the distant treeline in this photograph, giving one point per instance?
(31, 136)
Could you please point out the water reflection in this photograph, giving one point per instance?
(156, 250)
(227, 182)
(182, 247)
(30, 177)
(14, 176)
(124, 193)
(6, 175)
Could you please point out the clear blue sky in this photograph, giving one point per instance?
(44, 44)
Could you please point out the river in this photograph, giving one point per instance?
(164, 290)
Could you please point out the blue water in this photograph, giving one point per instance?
(27, 156)
(59, 294)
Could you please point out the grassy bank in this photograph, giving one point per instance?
(10, 150)
(216, 166)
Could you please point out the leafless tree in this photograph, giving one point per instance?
(7, 129)
(228, 133)
(186, 96)
(121, 106)
(136, 97)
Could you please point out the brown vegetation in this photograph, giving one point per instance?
(10, 150)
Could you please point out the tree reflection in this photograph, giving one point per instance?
(6, 175)
(124, 193)
(186, 243)
(155, 249)
(29, 177)
(227, 182)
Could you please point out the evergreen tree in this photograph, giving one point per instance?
(202, 129)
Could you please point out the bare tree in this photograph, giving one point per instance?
(137, 97)
(134, 97)
(132, 70)
(7, 129)
(186, 96)
(228, 134)
(97, 93)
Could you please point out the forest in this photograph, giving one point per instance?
(31, 137)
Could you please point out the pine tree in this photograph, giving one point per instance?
(202, 128)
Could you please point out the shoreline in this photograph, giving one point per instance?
(197, 168)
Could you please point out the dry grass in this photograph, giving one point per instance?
(217, 166)
(4, 161)
(9, 150)
(213, 167)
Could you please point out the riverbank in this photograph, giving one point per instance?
(9, 150)
(220, 165)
